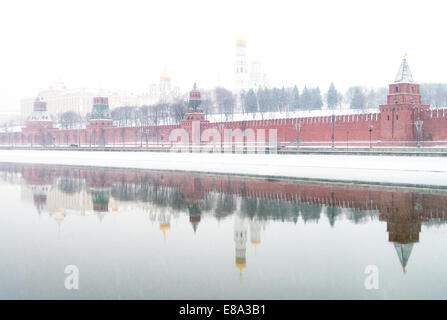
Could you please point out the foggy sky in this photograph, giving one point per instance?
(125, 45)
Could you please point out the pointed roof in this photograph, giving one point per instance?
(403, 252)
(404, 73)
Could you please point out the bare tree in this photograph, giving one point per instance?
(69, 119)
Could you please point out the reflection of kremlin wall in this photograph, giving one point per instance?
(404, 212)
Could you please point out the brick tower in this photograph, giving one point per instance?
(100, 120)
(194, 117)
(39, 125)
(400, 117)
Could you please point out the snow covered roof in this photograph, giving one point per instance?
(404, 73)
(40, 115)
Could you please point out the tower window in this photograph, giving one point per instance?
(388, 117)
(397, 117)
(397, 89)
(412, 89)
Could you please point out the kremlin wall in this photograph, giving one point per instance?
(402, 122)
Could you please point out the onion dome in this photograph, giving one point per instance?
(241, 42)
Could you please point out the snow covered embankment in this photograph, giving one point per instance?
(427, 171)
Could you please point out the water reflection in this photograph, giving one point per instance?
(253, 204)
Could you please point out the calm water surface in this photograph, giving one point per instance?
(153, 235)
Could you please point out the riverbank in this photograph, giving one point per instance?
(397, 170)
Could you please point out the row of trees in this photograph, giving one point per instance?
(130, 116)
(290, 99)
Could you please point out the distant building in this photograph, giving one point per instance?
(61, 99)
(164, 91)
(257, 77)
(241, 82)
(245, 79)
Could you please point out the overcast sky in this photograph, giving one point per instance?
(125, 45)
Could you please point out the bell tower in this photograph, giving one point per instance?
(400, 116)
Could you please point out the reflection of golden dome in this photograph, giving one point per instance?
(256, 61)
(165, 227)
(60, 218)
(255, 244)
(240, 42)
(241, 264)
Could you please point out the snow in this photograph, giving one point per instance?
(428, 171)
(286, 115)
(12, 129)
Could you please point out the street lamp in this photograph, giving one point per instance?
(141, 137)
(147, 135)
(419, 130)
(333, 124)
(370, 129)
(221, 136)
(347, 138)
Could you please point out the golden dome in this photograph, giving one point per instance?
(241, 42)
(255, 243)
(256, 61)
(165, 77)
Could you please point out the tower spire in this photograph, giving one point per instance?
(404, 73)
(403, 252)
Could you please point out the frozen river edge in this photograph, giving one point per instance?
(428, 172)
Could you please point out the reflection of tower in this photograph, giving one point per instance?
(40, 196)
(194, 215)
(59, 217)
(100, 198)
(403, 251)
(40, 181)
(255, 233)
(164, 218)
(403, 224)
(192, 192)
(100, 190)
(240, 240)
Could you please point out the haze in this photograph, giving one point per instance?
(125, 45)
